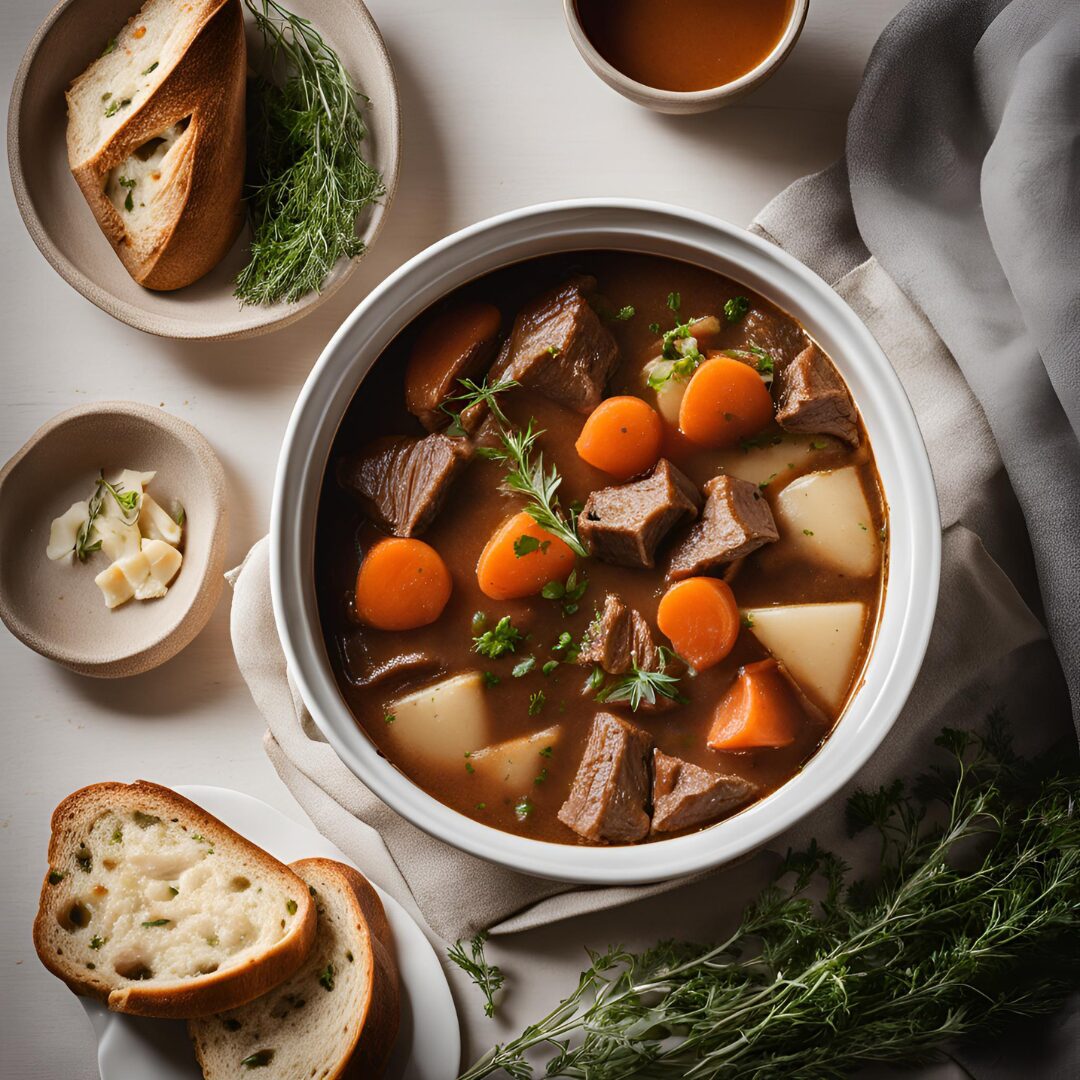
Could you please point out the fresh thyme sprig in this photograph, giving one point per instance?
(640, 686)
(488, 977)
(128, 501)
(972, 920)
(527, 475)
(312, 181)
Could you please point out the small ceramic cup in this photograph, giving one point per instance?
(685, 101)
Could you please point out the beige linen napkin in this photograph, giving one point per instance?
(987, 650)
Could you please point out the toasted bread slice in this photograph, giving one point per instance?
(156, 138)
(155, 907)
(337, 1017)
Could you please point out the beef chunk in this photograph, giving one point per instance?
(736, 521)
(624, 524)
(619, 638)
(456, 344)
(387, 667)
(685, 795)
(560, 348)
(403, 481)
(778, 334)
(813, 399)
(607, 800)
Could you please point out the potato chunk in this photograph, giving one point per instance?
(517, 762)
(817, 643)
(770, 460)
(443, 722)
(824, 516)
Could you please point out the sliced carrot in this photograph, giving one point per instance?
(402, 584)
(453, 345)
(622, 437)
(520, 559)
(725, 401)
(701, 618)
(760, 709)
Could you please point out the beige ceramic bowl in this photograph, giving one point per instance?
(678, 101)
(55, 607)
(61, 224)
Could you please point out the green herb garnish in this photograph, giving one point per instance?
(152, 67)
(290, 906)
(736, 308)
(505, 638)
(486, 976)
(156, 922)
(526, 545)
(326, 978)
(96, 942)
(259, 1060)
(124, 182)
(536, 702)
(569, 592)
(56, 876)
(642, 687)
(523, 667)
(313, 181)
(522, 809)
(117, 105)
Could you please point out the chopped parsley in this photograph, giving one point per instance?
(156, 922)
(96, 942)
(526, 545)
(290, 906)
(491, 679)
(326, 979)
(523, 667)
(259, 1060)
(736, 308)
(747, 619)
(569, 593)
(536, 702)
(152, 67)
(810, 532)
(129, 203)
(117, 105)
(628, 311)
(523, 808)
(505, 638)
(389, 718)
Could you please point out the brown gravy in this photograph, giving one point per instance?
(684, 45)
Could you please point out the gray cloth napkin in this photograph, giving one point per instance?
(956, 235)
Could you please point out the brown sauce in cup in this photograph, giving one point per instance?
(684, 45)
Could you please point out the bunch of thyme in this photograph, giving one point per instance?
(973, 919)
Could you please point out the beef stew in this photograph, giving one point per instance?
(543, 684)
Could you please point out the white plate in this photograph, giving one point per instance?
(429, 1039)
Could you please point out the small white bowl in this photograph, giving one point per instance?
(681, 102)
(54, 607)
(65, 231)
(630, 225)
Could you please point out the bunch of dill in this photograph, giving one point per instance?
(310, 177)
(973, 919)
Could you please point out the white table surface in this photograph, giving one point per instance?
(499, 112)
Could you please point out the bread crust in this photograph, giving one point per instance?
(207, 87)
(198, 996)
(377, 1030)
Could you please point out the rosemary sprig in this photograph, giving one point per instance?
(487, 977)
(526, 475)
(972, 920)
(643, 686)
(312, 179)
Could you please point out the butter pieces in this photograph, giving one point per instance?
(131, 529)
(145, 575)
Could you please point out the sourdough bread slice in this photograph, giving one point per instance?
(155, 138)
(337, 1017)
(155, 907)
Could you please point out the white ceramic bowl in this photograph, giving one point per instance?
(681, 102)
(631, 225)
